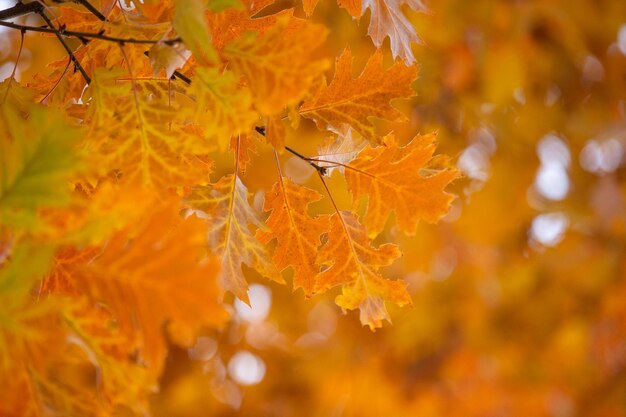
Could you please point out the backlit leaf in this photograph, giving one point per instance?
(352, 262)
(296, 232)
(277, 68)
(230, 217)
(354, 101)
(398, 179)
(387, 20)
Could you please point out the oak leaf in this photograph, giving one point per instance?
(152, 275)
(297, 233)
(223, 108)
(399, 179)
(135, 130)
(352, 262)
(354, 101)
(387, 20)
(225, 204)
(277, 68)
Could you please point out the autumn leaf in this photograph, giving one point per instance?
(387, 20)
(278, 70)
(152, 275)
(244, 146)
(275, 133)
(223, 108)
(352, 262)
(225, 204)
(145, 137)
(354, 101)
(340, 150)
(168, 57)
(37, 161)
(398, 179)
(296, 232)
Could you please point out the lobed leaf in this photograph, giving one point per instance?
(225, 204)
(398, 179)
(352, 262)
(354, 101)
(297, 233)
(278, 70)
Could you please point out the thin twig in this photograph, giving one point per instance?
(56, 84)
(320, 170)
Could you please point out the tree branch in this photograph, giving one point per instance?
(20, 9)
(87, 35)
(56, 31)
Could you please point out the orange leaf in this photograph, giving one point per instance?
(154, 275)
(354, 101)
(398, 179)
(247, 145)
(353, 263)
(297, 233)
(277, 68)
(275, 133)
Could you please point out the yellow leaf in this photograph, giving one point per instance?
(400, 179)
(225, 203)
(296, 232)
(144, 137)
(355, 101)
(353, 263)
(223, 109)
(278, 69)
(275, 133)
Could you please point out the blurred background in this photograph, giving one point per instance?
(519, 294)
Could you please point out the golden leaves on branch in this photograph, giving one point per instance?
(142, 135)
(399, 179)
(354, 101)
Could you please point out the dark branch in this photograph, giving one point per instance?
(20, 9)
(85, 35)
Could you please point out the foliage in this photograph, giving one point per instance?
(173, 173)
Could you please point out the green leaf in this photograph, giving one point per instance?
(217, 6)
(191, 25)
(37, 159)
